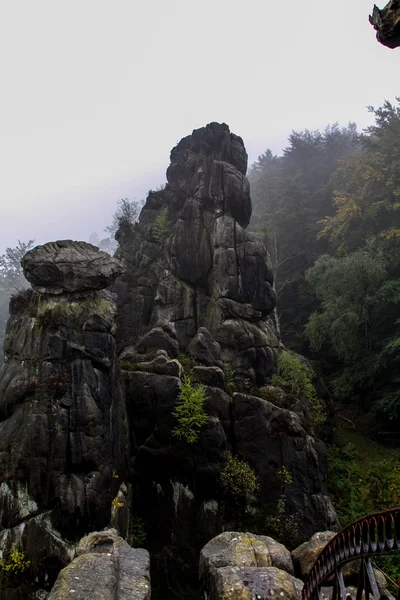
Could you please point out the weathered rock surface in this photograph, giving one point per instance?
(386, 22)
(248, 583)
(212, 376)
(305, 555)
(232, 549)
(207, 278)
(244, 566)
(180, 483)
(204, 349)
(67, 266)
(106, 568)
(63, 425)
(269, 437)
(177, 483)
(161, 363)
(201, 287)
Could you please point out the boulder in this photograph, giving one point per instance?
(246, 566)
(277, 396)
(235, 549)
(157, 338)
(247, 583)
(305, 555)
(204, 349)
(67, 266)
(106, 568)
(212, 376)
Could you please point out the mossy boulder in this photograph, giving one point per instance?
(244, 566)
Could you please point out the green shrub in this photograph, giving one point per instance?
(359, 488)
(295, 378)
(346, 483)
(189, 412)
(359, 484)
(139, 534)
(15, 563)
(229, 379)
(161, 227)
(238, 479)
(282, 526)
(391, 566)
(187, 363)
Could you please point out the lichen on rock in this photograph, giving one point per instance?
(241, 566)
(106, 568)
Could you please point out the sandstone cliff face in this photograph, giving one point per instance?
(202, 270)
(197, 293)
(63, 429)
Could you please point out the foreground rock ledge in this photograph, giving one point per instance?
(68, 266)
(106, 568)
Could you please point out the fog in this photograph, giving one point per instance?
(95, 94)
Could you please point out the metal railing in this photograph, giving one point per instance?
(374, 535)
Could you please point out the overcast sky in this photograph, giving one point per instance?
(94, 93)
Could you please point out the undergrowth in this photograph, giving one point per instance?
(296, 379)
(363, 477)
(15, 562)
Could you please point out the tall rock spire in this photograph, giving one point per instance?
(204, 271)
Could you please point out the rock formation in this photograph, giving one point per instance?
(197, 295)
(106, 568)
(195, 300)
(190, 263)
(386, 22)
(66, 266)
(63, 429)
(243, 566)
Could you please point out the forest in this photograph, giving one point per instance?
(328, 211)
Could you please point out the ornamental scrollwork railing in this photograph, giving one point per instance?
(374, 535)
